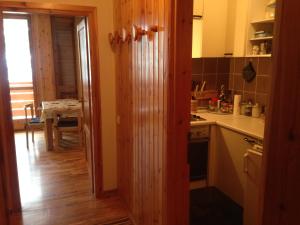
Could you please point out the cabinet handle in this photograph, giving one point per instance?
(246, 162)
(250, 141)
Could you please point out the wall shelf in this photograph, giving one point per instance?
(260, 56)
(264, 21)
(260, 20)
(262, 38)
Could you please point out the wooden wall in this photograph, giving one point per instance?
(63, 35)
(149, 78)
(43, 64)
(142, 109)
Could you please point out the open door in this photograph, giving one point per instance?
(85, 92)
(3, 212)
(9, 185)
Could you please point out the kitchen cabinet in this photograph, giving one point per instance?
(253, 175)
(213, 27)
(229, 152)
(197, 28)
(261, 19)
(215, 15)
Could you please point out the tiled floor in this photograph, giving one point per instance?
(209, 206)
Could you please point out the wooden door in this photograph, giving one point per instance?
(85, 89)
(3, 203)
(8, 162)
(3, 212)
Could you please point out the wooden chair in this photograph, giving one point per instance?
(67, 122)
(31, 123)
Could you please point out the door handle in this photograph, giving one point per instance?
(246, 162)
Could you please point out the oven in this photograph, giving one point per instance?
(198, 147)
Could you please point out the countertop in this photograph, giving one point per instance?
(253, 127)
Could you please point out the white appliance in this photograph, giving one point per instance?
(253, 173)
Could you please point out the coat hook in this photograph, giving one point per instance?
(111, 39)
(118, 37)
(114, 39)
(126, 37)
(137, 33)
(153, 28)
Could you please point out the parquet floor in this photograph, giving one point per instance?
(56, 189)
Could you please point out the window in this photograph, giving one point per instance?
(18, 59)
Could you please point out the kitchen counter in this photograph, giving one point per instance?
(253, 127)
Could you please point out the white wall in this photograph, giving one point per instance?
(107, 85)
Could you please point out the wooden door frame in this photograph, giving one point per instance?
(176, 208)
(280, 189)
(280, 131)
(6, 130)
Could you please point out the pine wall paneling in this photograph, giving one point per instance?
(64, 53)
(43, 58)
(141, 108)
(147, 108)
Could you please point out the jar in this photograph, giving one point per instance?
(256, 111)
(243, 108)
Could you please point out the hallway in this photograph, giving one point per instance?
(56, 190)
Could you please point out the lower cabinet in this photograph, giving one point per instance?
(235, 170)
(229, 163)
(253, 174)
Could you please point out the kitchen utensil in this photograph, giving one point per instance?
(249, 72)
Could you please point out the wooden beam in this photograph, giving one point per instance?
(46, 8)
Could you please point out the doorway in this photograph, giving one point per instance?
(219, 71)
(87, 83)
(41, 49)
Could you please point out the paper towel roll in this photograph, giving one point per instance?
(236, 105)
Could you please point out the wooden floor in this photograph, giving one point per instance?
(56, 189)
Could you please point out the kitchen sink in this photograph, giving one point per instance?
(195, 118)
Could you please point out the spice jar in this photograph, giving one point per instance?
(248, 110)
(243, 108)
(256, 110)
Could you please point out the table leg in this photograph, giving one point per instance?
(48, 134)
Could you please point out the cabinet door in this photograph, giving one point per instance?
(215, 15)
(197, 28)
(253, 161)
(229, 164)
(198, 7)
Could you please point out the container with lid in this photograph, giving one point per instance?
(256, 110)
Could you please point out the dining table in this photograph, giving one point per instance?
(49, 111)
